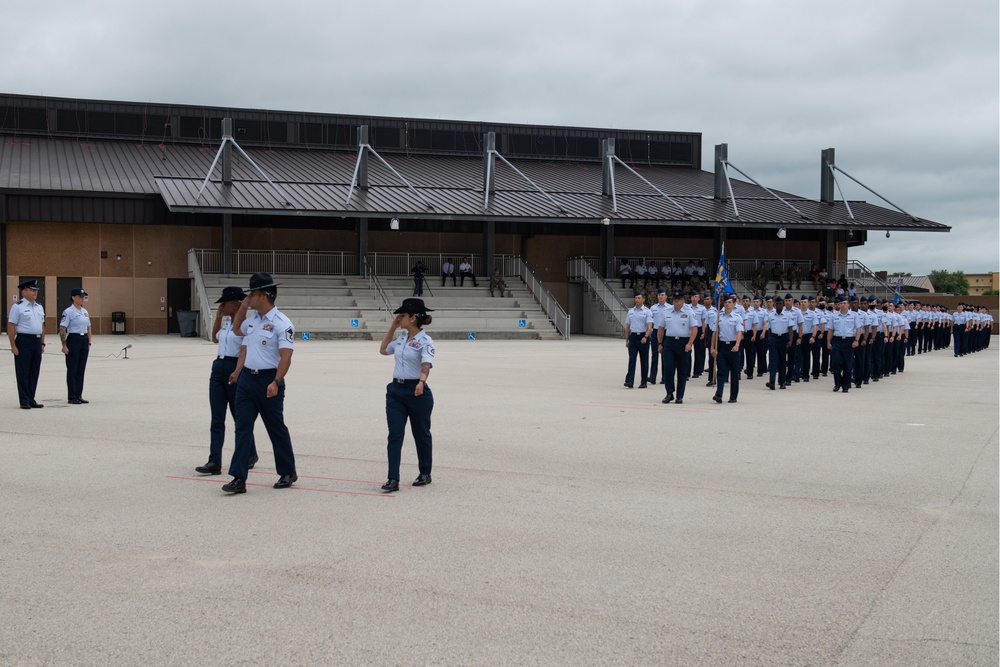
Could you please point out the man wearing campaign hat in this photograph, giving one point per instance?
(76, 336)
(265, 357)
(25, 329)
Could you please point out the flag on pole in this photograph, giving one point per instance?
(722, 283)
(897, 297)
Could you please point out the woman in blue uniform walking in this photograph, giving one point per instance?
(75, 332)
(222, 394)
(408, 396)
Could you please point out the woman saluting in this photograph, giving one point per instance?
(408, 396)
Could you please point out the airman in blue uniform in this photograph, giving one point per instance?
(676, 338)
(75, 333)
(726, 349)
(25, 329)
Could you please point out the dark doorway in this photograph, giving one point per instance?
(41, 289)
(178, 298)
(63, 288)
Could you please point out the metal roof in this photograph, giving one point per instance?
(317, 183)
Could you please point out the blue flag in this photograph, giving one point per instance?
(897, 297)
(722, 284)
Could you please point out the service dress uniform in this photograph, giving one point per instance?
(401, 403)
(263, 338)
(654, 350)
(844, 330)
(26, 319)
(222, 394)
(709, 323)
(778, 328)
(730, 336)
(76, 322)
(676, 335)
(638, 324)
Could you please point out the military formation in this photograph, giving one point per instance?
(788, 340)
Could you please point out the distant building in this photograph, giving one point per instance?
(980, 283)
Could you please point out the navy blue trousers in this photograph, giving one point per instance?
(676, 364)
(222, 397)
(728, 369)
(76, 364)
(842, 362)
(959, 336)
(400, 405)
(640, 350)
(777, 355)
(654, 357)
(27, 365)
(252, 400)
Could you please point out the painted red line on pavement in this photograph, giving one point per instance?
(293, 488)
(332, 479)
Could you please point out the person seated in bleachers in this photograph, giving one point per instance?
(448, 271)
(625, 272)
(640, 274)
(777, 274)
(497, 283)
(465, 271)
(652, 276)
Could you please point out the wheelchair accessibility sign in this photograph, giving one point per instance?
(305, 335)
(472, 335)
(522, 323)
(355, 323)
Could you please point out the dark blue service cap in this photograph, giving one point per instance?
(678, 295)
(841, 299)
(853, 298)
(638, 292)
(662, 290)
(29, 284)
(746, 296)
(77, 291)
(805, 297)
(694, 292)
(768, 298)
(872, 299)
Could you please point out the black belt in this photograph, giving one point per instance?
(27, 334)
(402, 381)
(845, 337)
(82, 333)
(778, 335)
(729, 342)
(258, 371)
(228, 358)
(676, 337)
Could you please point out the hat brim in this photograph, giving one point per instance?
(223, 299)
(406, 311)
(260, 287)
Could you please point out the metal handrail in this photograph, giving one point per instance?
(560, 318)
(582, 267)
(284, 262)
(373, 283)
(201, 293)
(867, 274)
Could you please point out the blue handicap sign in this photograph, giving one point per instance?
(354, 323)
(305, 335)
(522, 323)
(472, 335)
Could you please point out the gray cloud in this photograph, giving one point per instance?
(907, 92)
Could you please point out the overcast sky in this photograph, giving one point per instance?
(906, 91)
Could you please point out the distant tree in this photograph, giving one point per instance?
(954, 282)
(900, 274)
(991, 292)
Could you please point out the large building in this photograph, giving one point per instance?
(112, 195)
(980, 283)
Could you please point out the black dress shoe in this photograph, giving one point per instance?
(25, 407)
(35, 404)
(679, 401)
(629, 385)
(422, 480)
(667, 399)
(717, 399)
(286, 481)
(769, 385)
(235, 485)
(75, 401)
(805, 379)
(836, 389)
(209, 469)
(83, 401)
(732, 400)
(253, 461)
(782, 386)
(390, 486)
(844, 390)
(642, 386)
(709, 384)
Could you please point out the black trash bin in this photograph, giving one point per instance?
(118, 322)
(187, 322)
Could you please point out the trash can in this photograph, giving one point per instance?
(187, 322)
(118, 322)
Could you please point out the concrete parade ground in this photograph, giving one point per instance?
(570, 521)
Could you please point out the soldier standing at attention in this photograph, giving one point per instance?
(699, 341)
(27, 342)
(657, 310)
(75, 333)
(638, 329)
(676, 338)
(726, 349)
(777, 326)
(265, 357)
(843, 334)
